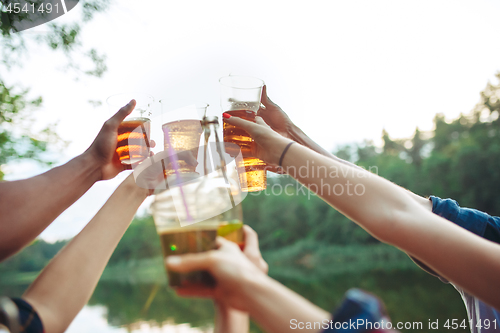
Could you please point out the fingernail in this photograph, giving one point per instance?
(226, 115)
(131, 101)
(173, 260)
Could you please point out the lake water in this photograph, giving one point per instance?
(94, 319)
(147, 304)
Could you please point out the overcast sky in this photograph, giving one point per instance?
(342, 70)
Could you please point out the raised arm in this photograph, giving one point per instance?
(28, 206)
(279, 121)
(68, 281)
(389, 213)
(228, 319)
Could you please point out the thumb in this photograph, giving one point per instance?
(190, 262)
(251, 240)
(263, 96)
(264, 99)
(122, 113)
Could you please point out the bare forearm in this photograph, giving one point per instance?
(299, 136)
(67, 283)
(29, 206)
(458, 255)
(391, 214)
(275, 307)
(367, 199)
(228, 320)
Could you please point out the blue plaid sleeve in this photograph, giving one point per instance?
(475, 221)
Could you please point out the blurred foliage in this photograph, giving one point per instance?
(18, 140)
(139, 241)
(16, 46)
(32, 259)
(459, 159)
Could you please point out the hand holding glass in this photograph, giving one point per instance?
(240, 97)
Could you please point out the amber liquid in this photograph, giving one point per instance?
(232, 231)
(255, 169)
(184, 136)
(177, 241)
(133, 141)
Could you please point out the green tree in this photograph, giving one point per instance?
(17, 140)
(139, 241)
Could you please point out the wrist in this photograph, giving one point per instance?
(253, 286)
(130, 186)
(299, 136)
(295, 133)
(92, 164)
(229, 320)
(279, 146)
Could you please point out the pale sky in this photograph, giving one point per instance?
(342, 70)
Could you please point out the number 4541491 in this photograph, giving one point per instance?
(31, 8)
(453, 324)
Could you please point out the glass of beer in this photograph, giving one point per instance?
(134, 130)
(240, 97)
(192, 212)
(177, 238)
(181, 126)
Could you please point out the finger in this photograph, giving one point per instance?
(263, 96)
(152, 143)
(191, 262)
(225, 245)
(264, 99)
(251, 239)
(122, 113)
(251, 249)
(248, 126)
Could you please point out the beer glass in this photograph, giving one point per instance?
(195, 236)
(181, 126)
(134, 130)
(176, 239)
(240, 97)
(220, 188)
(194, 210)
